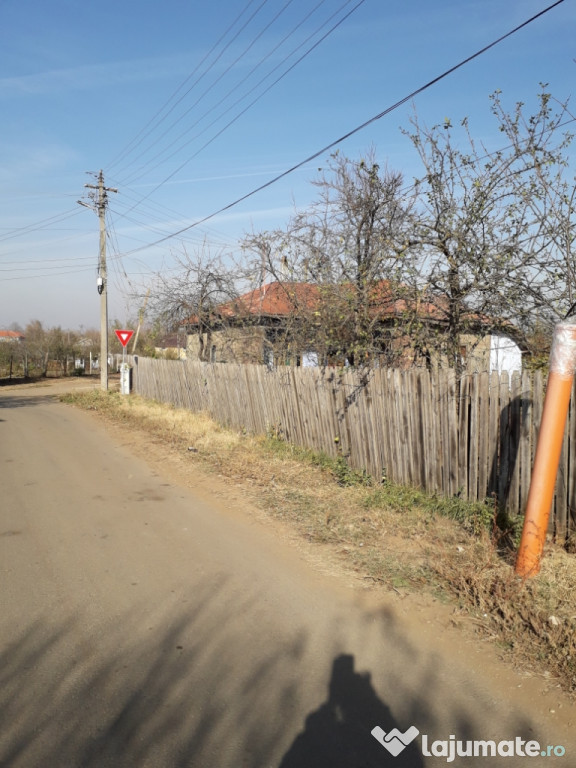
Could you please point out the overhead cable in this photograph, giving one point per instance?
(34, 227)
(359, 128)
(245, 95)
(255, 100)
(156, 120)
(139, 172)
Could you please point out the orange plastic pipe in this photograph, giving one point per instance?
(548, 448)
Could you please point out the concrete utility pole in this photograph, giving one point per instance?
(101, 203)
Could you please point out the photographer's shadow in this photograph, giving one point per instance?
(339, 733)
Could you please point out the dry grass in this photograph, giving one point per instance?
(397, 537)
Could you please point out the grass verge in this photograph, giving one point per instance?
(399, 537)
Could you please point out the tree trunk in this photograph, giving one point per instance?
(454, 320)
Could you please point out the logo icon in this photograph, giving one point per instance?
(395, 741)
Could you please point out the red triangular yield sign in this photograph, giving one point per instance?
(124, 336)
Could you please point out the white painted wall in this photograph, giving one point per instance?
(310, 360)
(505, 354)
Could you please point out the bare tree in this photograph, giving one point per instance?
(349, 244)
(37, 347)
(544, 140)
(489, 251)
(192, 294)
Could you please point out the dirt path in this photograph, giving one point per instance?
(152, 617)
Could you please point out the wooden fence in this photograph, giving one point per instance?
(474, 438)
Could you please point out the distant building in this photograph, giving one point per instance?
(172, 346)
(12, 336)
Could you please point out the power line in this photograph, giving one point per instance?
(359, 128)
(45, 276)
(58, 263)
(223, 74)
(24, 248)
(235, 88)
(149, 127)
(161, 228)
(244, 96)
(34, 227)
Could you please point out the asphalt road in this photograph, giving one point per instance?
(141, 626)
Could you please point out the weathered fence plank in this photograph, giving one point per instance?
(463, 432)
(526, 433)
(474, 437)
(492, 436)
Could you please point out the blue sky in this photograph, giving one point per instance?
(145, 91)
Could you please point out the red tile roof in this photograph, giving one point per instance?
(11, 336)
(274, 299)
(284, 299)
(290, 298)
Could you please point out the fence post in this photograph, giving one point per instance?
(548, 448)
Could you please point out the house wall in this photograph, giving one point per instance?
(232, 345)
(250, 345)
(493, 353)
(505, 355)
(475, 353)
(171, 353)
